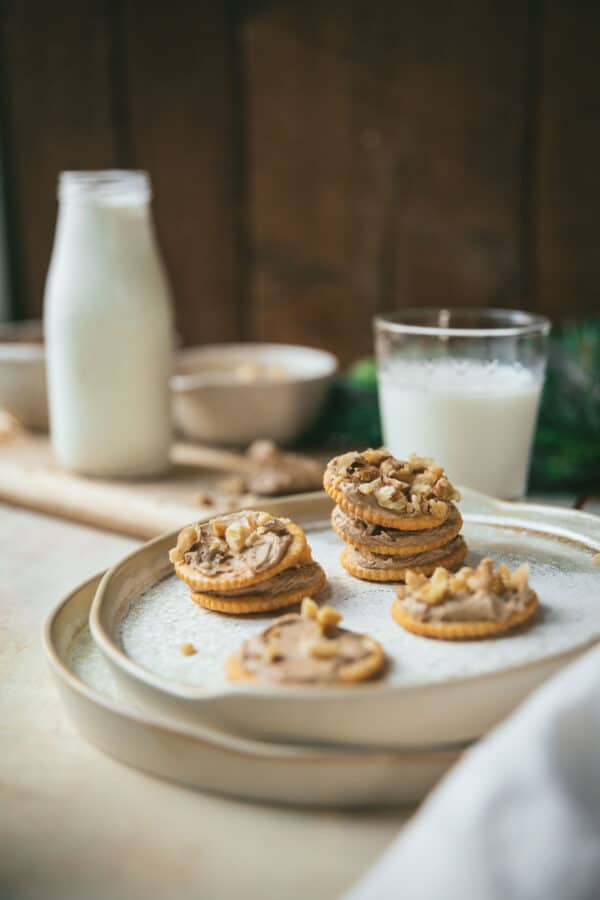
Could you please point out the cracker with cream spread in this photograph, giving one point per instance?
(472, 603)
(408, 495)
(236, 550)
(388, 541)
(308, 649)
(282, 590)
(377, 567)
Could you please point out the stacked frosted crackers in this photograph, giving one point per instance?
(246, 562)
(395, 515)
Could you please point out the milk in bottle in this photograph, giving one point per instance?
(108, 329)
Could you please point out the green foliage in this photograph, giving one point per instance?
(566, 451)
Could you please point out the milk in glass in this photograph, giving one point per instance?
(108, 329)
(475, 418)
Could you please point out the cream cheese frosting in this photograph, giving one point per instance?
(242, 542)
(303, 577)
(382, 562)
(294, 650)
(470, 595)
(379, 537)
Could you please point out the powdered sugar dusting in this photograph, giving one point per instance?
(85, 660)
(163, 617)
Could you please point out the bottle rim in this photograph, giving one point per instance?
(105, 186)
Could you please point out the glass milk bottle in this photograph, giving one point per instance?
(108, 329)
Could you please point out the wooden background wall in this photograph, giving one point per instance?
(316, 162)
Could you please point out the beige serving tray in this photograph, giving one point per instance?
(435, 693)
(205, 758)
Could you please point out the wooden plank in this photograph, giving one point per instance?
(567, 259)
(385, 162)
(178, 77)
(30, 477)
(57, 115)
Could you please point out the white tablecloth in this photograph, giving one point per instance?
(519, 817)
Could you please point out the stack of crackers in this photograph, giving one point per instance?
(395, 515)
(246, 562)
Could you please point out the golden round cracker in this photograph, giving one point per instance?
(234, 670)
(409, 543)
(460, 631)
(386, 517)
(195, 580)
(364, 669)
(307, 576)
(352, 673)
(420, 489)
(256, 603)
(452, 559)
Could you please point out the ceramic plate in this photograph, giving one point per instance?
(211, 760)
(434, 693)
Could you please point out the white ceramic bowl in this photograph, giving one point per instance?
(23, 373)
(212, 406)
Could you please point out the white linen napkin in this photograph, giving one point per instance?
(518, 818)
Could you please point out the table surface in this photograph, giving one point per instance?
(76, 824)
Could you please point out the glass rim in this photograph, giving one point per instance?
(523, 322)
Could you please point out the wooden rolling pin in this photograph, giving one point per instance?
(212, 458)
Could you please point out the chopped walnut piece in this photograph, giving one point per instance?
(444, 585)
(246, 530)
(505, 574)
(219, 528)
(328, 616)
(368, 473)
(236, 535)
(185, 541)
(309, 608)
(438, 508)
(369, 487)
(323, 649)
(414, 580)
(420, 463)
(389, 467)
(375, 457)
(436, 588)
(520, 577)
(390, 496)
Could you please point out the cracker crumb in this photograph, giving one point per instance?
(188, 649)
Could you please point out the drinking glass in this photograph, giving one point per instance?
(463, 386)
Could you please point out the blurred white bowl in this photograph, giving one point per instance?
(235, 393)
(23, 373)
